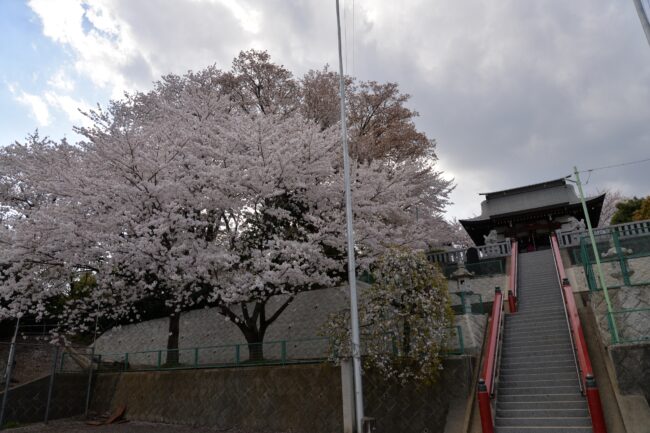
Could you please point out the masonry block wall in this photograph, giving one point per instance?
(26, 403)
(297, 399)
(303, 319)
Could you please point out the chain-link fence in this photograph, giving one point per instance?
(34, 386)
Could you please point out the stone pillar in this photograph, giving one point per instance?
(347, 387)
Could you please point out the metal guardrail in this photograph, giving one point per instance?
(625, 260)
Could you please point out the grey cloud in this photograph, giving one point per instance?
(515, 92)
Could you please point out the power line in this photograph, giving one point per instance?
(616, 165)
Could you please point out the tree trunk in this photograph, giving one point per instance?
(407, 338)
(172, 340)
(255, 342)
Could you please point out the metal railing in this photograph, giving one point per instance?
(625, 260)
(499, 249)
(585, 371)
(282, 352)
(487, 378)
(512, 277)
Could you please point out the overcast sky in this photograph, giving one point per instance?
(514, 92)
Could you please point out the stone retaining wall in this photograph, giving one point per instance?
(26, 403)
(296, 399)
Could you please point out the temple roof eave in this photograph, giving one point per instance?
(479, 226)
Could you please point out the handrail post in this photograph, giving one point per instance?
(485, 409)
(512, 291)
(512, 302)
(595, 407)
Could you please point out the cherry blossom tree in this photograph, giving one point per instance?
(198, 194)
(405, 318)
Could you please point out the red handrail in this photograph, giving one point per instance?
(584, 363)
(486, 381)
(512, 286)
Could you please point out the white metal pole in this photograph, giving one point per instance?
(643, 16)
(352, 278)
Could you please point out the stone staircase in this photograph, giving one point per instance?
(538, 387)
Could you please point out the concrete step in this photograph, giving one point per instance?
(564, 368)
(546, 429)
(534, 346)
(565, 375)
(513, 329)
(530, 318)
(511, 340)
(529, 306)
(543, 413)
(540, 312)
(509, 382)
(580, 421)
(565, 361)
(536, 350)
(539, 296)
(530, 398)
(532, 390)
(545, 320)
(538, 280)
(548, 356)
(560, 404)
(533, 334)
(536, 324)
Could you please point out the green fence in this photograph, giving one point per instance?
(625, 259)
(633, 325)
(283, 352)
(302, 351)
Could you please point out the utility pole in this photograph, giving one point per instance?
(352, 278)
(601, 275)
(643, 16)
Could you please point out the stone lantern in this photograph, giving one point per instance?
(463, 279)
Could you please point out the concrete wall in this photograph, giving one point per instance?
(632, 366)
(634, 325)
(296, 399)
(303, 319)
(26, 403)
(303, 398)
(483, 285)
